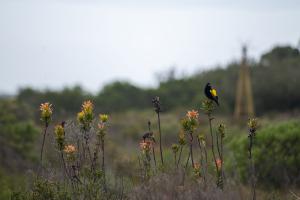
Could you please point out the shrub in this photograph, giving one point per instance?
(275, 154)
(17, 135)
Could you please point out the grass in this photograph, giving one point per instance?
(124, 164)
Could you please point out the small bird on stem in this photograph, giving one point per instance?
(149, 135)
(211, 93)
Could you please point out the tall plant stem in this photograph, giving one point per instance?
(191, 148)
(43, 143)
(89, 151)
(187, 161)
(218, 146)
(141, 169)
(220, 173)
(79, 155)
(185, 168)
(154, 158)
(66, 173)
(206, 163)
(83, 149)
(201, 152)
(94, 163)
(221, 156)
(160, 144)
(86, 137)
(103, 164)
(219, 150)
(64, 165)
(179, 157)
(203, 163)
(252, 168)
(212, 142)
(153, 150)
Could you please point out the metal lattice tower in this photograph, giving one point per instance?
(244, 100)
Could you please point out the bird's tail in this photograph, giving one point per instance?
(217, 102)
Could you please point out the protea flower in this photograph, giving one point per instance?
(46, 112)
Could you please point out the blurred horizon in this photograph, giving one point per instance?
(54, 44)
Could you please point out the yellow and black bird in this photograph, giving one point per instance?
(211, 93)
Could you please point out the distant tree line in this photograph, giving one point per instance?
(274, 81)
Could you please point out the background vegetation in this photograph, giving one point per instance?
(276, 96)
(276, 155)
(274, 80)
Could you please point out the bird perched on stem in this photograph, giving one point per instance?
(211, 93)
(149, 135)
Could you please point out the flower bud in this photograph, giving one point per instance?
(59, 136)
(46, 112)
(253, 125)
(221, 130)
(103, 118)
(208, 106)
(175, 148)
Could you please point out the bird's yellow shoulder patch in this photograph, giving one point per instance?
(213, 92)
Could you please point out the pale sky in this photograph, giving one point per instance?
(57, 43)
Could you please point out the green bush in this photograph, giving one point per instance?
(276, 155)
(10, 183)
(17, 132)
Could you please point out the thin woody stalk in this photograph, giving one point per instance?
(98, 144)
(212, 141)
(252, 169)
(175, 149)
(160, 143)
(79, 155)
(179, 157)
(141, 168)
(253, 125)
(157, 108)
(85, 118)
(220, 168)
(203, 163)
(185, 169)
(189, 125)
(181, 142)
(218, 146)
(64, 164)
(218, 164)
(191, 148)
(101, 134)
(43, 143)
(86, 137)
(221, 134)
(206, 163)
(221, 157)
(46, 113)
(103, 164)
(187, 161)
(153, 153)
(208, 107)
(153, 150)
(69, 150)
(201, 152)
(83, 150)
(59, 131)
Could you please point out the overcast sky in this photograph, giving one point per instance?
(56, 43)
